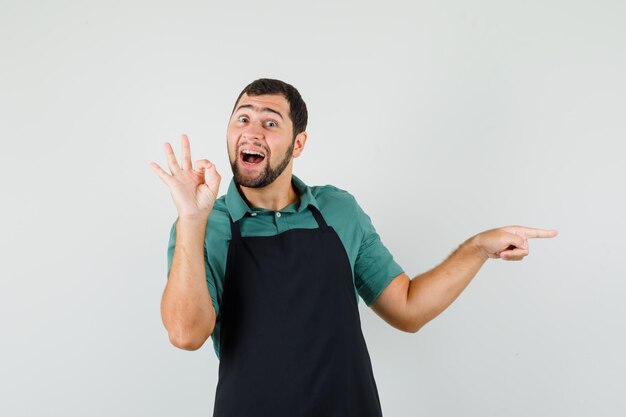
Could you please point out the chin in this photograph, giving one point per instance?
(258, 180)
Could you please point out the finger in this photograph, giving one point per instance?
(186, 152)
(213, 169)
(531, 232)
(165, 177)
(201, 165)
(516, 240)
(171, 159)
(214, 180)
(514, 254)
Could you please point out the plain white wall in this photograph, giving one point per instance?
(443, 118)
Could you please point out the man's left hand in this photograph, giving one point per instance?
(509, 243)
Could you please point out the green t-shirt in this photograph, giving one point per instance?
(373, 267)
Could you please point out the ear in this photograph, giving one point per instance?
(298, 145)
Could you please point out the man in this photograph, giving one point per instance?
(274, 269)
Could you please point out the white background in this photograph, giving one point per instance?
(443, 118)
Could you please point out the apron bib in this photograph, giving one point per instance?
(291, 341)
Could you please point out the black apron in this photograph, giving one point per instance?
(291, 341)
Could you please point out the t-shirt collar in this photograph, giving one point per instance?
(238, 208)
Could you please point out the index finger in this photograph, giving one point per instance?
(531, 232)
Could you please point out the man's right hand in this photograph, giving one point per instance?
(193, 196)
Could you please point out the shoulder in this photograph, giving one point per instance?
(339, 206)
(219, 208)
(332, 196)
(219, 219)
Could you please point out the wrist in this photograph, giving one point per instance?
(192, 225)
(474, 244)
(197, 218)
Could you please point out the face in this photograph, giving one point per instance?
(259, 140)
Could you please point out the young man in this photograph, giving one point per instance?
(274, 269)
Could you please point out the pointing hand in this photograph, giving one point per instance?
(509, 243)
(193, 196)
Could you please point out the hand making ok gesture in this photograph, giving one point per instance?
(193, 196)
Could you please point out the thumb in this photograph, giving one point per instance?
(201, 165)
(214, 178)
(513, 240)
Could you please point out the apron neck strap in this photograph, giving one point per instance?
(318, 217)
(234, 230)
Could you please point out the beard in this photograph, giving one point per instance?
(266, 177)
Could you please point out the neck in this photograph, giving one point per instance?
(275, 196)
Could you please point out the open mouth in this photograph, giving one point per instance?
(251, 158)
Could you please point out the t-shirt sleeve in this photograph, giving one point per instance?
(374, 267)
(210, 280)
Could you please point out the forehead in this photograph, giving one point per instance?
(274, 101)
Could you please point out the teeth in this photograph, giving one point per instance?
(246, 151)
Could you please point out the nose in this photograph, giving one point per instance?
(253, 131)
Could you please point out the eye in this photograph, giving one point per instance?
(241, 117)
(274, 123)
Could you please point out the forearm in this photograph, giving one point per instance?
(186, 308)
(432, 292)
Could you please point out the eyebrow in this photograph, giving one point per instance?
(255, 108)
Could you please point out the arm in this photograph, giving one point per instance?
(186, 307)
(408, 304)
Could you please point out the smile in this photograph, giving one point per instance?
(251, 157)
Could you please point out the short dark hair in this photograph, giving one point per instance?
(297, 107)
